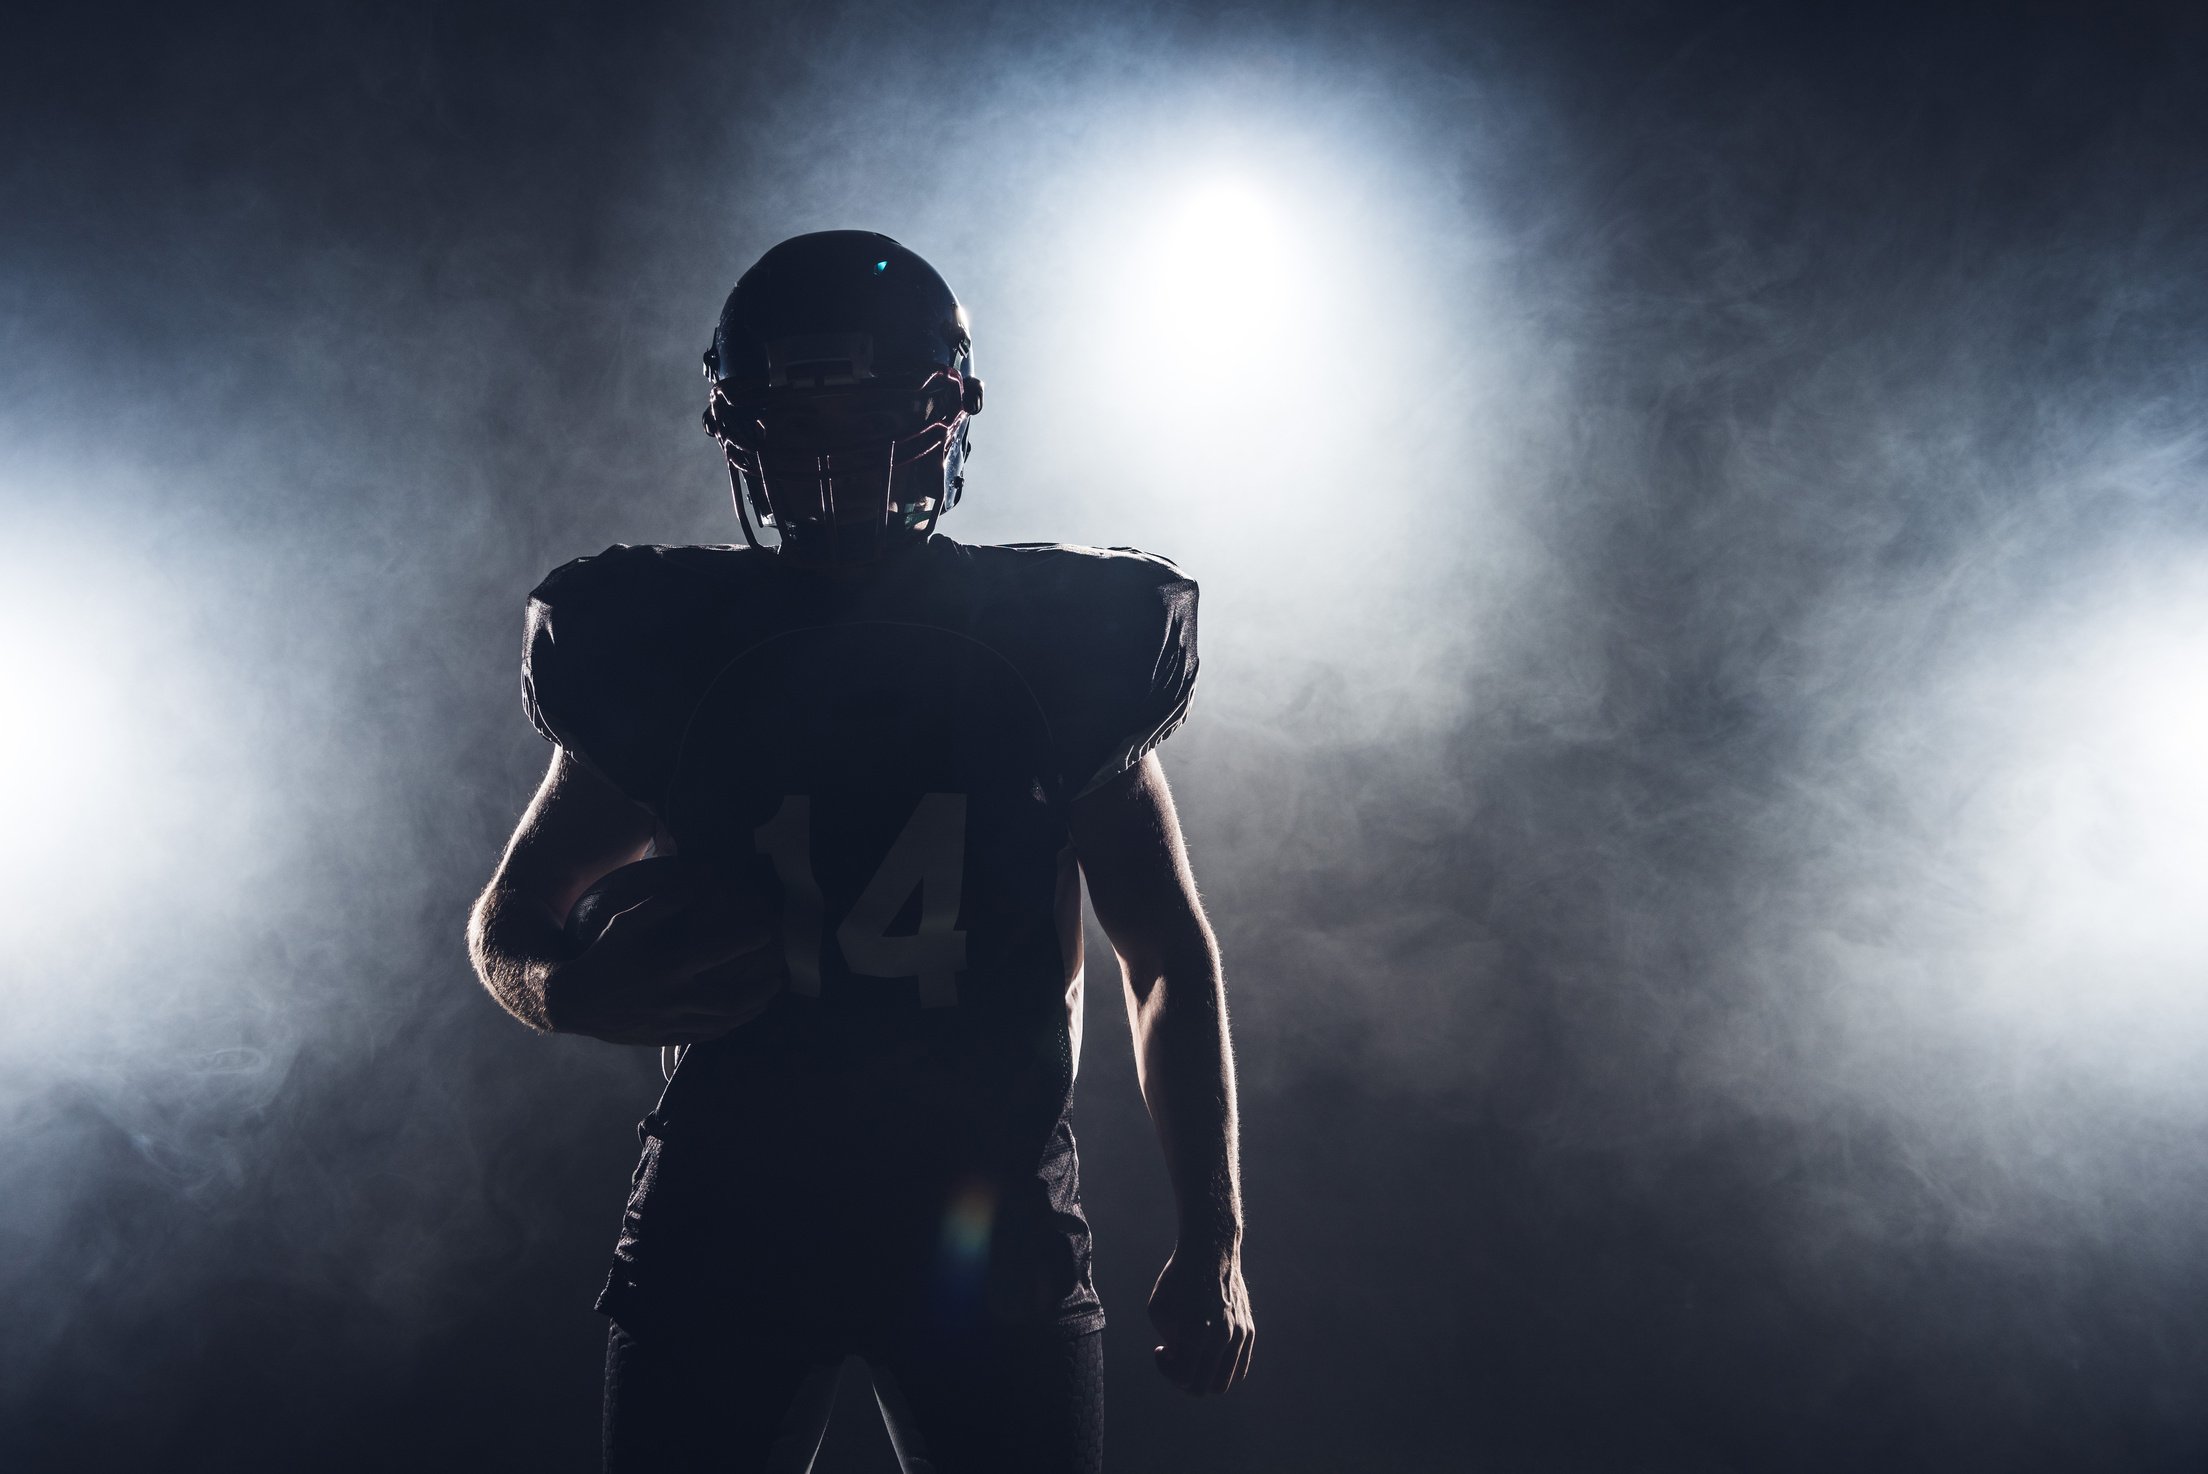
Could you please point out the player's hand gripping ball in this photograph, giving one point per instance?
(666, 951)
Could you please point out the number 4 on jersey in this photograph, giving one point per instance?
(928, 855)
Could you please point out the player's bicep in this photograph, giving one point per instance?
(576, 829)
(1128, 839)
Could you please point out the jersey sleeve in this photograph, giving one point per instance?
(1127, 689)
(588, 677)
(1160, 623)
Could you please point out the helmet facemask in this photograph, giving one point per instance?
(845, 464)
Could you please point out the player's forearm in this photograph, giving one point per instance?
(514, 942)
(1185, 1059)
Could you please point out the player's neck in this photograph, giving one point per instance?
(848, 569)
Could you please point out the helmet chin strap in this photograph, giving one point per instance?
(743, 513)
(745, 466)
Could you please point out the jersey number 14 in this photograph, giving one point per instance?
(928, 855)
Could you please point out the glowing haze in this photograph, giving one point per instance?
(1699, 771)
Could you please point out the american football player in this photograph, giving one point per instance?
(886, 761)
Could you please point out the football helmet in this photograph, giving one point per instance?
(840, 384)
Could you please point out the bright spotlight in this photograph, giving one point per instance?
(1221, 345)
(2079, 815)
(62, 737)
(2119, 797)
(1216, 286)
(87, 674)
(1215, 289)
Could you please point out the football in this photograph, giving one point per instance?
(712, 902)
(618, 890)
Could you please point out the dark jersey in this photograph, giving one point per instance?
(891, 756)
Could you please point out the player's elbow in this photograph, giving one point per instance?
(1175, 966)
(478, 937)
(499, 967)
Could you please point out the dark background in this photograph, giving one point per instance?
(1697, 776)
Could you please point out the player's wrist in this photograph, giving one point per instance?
(1210, 1240)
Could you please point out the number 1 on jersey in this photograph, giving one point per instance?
(928, 856)
(787, 840)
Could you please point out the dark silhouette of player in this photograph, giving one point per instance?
(885, 762)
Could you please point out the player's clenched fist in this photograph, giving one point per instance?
(1201, 1310)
